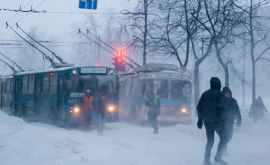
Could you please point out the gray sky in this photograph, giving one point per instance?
(58, 25)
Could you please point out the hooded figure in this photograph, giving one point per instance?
(257, 110)
(229, 115)
(208, 107)
(153, 104)
(99, 108)
(209, 111)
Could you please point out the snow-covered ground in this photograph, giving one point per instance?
(22, 143)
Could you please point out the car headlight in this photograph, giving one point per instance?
(111, 108)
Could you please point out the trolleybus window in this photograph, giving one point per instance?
(176, 89)
(164, 89)
(25, 84)
(180, 89)
(31, 83)
(39, 84)
(28, 84)
(53, 83)
(45, 84)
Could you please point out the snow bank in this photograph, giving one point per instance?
(123, 144)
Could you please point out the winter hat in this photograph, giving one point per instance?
(215, 83)
(226, 90)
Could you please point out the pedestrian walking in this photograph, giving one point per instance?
(99, 108)
(209, 111)
(230, 115)
(153, 103)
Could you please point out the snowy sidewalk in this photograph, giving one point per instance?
(122, 144)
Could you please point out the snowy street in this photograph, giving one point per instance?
(122, 144)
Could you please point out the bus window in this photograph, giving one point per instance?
(149, 87)
(53, 83)
(39, 84)
(163, 90)
(87, 83)
(28, 84)
(45, 84)
(187, 89)
(31, 84)
(25, 84)
(176, 89)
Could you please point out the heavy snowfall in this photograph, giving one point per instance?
(58, 57)
(35, 143)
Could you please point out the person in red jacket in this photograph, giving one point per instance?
(87, 106)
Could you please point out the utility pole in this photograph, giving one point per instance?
(244, 79)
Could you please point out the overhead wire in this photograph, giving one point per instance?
(35, 11)
(12, 61)
(31, 44)
(9, 65)
(32, 8)
(42, 45)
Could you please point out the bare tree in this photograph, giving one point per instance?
(176, 28)
(257, 36)
(219, 18)
(141, 23)
(200, 54)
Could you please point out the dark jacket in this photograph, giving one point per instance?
(153, 103)
(99, 104)
(209, 107)
(231, 110)
(257, 109)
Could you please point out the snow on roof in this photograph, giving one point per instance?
(6, 76)
(160, 71)
(43, 71)
(157, 67)
(55, 69)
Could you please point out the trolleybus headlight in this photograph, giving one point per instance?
(184, 110)
(111, 108)
(74, 72)
(75, 110)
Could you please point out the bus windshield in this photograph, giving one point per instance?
(180, 89)
(170, 89)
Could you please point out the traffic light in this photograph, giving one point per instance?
(119, 59)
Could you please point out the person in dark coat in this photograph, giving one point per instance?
(87, 106)
(257, 110)
(99, 108)
(153, 103)
(229, 115)
(209, 114)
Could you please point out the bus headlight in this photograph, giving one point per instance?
(184, 110)
(111, 108)
(75, 110)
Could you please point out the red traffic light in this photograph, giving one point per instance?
(119, 58)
